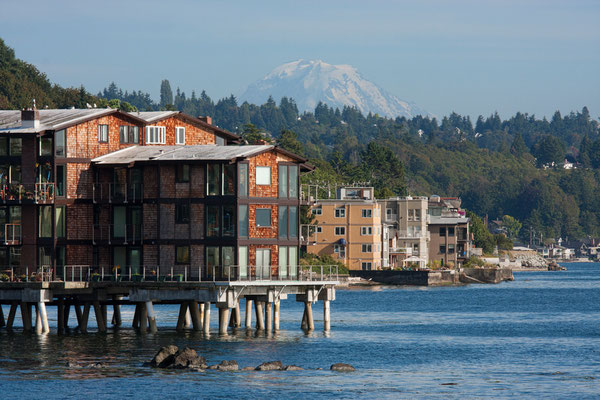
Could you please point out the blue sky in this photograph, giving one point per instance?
(472, 57)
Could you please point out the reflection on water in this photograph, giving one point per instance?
(538, 336)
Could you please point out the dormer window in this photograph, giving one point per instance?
(179, 135)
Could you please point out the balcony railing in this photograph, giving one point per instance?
(413, 235)
(41, 193)
(12, 234)
(14, 273)
(120, 233)
(118, 193)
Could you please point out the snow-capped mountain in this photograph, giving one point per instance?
(310, 81)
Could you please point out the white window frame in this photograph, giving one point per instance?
(368, 265)
(366, 231)
(368, 247)
(366, 213)
(340, 250)
(179, 130)
(103, 133)
(317, 211)
(262, 179)
(319, 229)
(156, 135)
(342, 230)
(340, 212)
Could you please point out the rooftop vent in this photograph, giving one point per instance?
(30, 119)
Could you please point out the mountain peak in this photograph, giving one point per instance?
(309, 82)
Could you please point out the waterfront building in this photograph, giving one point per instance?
(407, 238)
(450, 236)
(347, 227)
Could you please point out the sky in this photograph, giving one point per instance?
(472, 57)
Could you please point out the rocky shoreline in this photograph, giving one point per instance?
(171, 357)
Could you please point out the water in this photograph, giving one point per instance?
(538, 336)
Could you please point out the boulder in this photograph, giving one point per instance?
(270, 366)
(231, 365)
(164, 357)
(293, 368)
(187, 358)
(341, 367)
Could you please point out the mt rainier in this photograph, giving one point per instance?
(310, 81)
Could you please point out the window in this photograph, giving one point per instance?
(317, 211)
(340, 230)
(179, 135)
(45, 222)
(366, 266)
(263, 217)
(283, 181)
(213, 218)
(3, 146)
(411, 214)
(442, 231)
(243, 180)
(155, 134)
(367, 248)
(415, 248)
(450, 231)
(293, 178)
(183, 173)
(213, 181)
(319, 229)
(182, 254)
(219, 141)
(228, 221)
(60, 222)
(340, 250)
(59, 143)
(450, 249)
(243, 220)
(366, 230)
(417, 214)
(389, 213)
(288, 222)
(263, 175)
(243, 261)
(212, 256)
(45, 146)
(129, 134)
(366, 213)
(443, 248)
(293, 226)
(16, 146)
(103, 133)
(288, 181)
(229, 179)
(283, 222)
(182, 213)
(340, 212)
(288, 261)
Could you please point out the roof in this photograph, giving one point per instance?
(180, 153)
(434, 220)
(153, 116)
(10, 121)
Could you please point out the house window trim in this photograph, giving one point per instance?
(158, 137)
(263, 168)
(101, 138)
(179, 129)
(335, 231)
(342, 212)
(365, 211)
(367, 246)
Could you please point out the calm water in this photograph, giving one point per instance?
(538, 336)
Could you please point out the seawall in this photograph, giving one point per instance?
(437, 278)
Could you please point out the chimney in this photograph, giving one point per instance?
(30, 119)
(206, 119)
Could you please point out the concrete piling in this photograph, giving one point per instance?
(248, 311)
(276, 307)
(66, 312)
(260, 322)
(269, 316)
(2, 322)
(326, 316)
(206, 318)
(309, 316)
(151, 315)
(223, 319)
(44, 317)
(143, 318)
(11, 315)
(26, 316)
(195, 314)
(116, 319)
(38, 321)
(181, 319)
(100, 321)
(60, 316)
(135, 324)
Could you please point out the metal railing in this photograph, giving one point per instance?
(14, 273)
(120, 233)
(34, 192)
(12, 234)
(413, 234)
(117, 192)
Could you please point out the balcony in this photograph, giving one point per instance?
(12, 234)
(38, 193)
(413, 235)
(117, 193)
(117, 234)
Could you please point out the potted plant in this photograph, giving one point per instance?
(95, 277)
(137, 278)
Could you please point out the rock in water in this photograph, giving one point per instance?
(293, 368)
(341, 367)
(164, 357)
(270, 366)
(228, 366)
(248, 369)
(187, 358)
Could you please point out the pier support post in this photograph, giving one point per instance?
(201, 308)
(143, 318)
(188, 318)
(207, 317)
(326, 316)
(11, 315)
(276, 315)
(309, 316)
(223, 319)
(116, 319)
(135, 324)
(79, 315)
(181, 319)
(238, 314)
(2, 322)
(269, 316)
(44, 317)
(260, 315)
(99, 317)
(66, 312)
(26, 316)
(104, 309)
(60, 310)
(85, 316)
(304, 323)
(151, 316)
(248, 322)
(195, 314)
(38, 320)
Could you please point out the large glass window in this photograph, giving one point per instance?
(16, 146)
(103, 133)
(283, 181)
(263, 175)
(45, 146)
(155, 134)
(229, 221)
(243, 261)
(229, 179)
(213, 172)
(293, 224)
(213, 217)
(45, 222)
(212, 256)
(59, 142)
(243, 180)
(61, 178)
(283, 222)
(293, 179)
(293, 261)
(288, 222)
(283, 262)
(60, 222)
(183, 173)
(243, 220)
(182, 213)
(227, 256)
(288, 181)
(3, 146)
(263, 217)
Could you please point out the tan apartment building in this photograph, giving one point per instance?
(348, 228)
(450, 236)
(406, 237)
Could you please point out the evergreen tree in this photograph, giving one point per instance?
(166, 94)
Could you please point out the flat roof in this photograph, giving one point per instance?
(434, 220)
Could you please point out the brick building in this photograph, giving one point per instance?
(120, 191)
(450, 236)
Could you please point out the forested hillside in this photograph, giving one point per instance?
(498, 167)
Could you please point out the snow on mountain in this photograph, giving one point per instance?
(310, 81)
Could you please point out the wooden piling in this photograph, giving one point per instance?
(195, 314)
(11, 315)
(100, 321)
(248, 311)
(260, 322)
